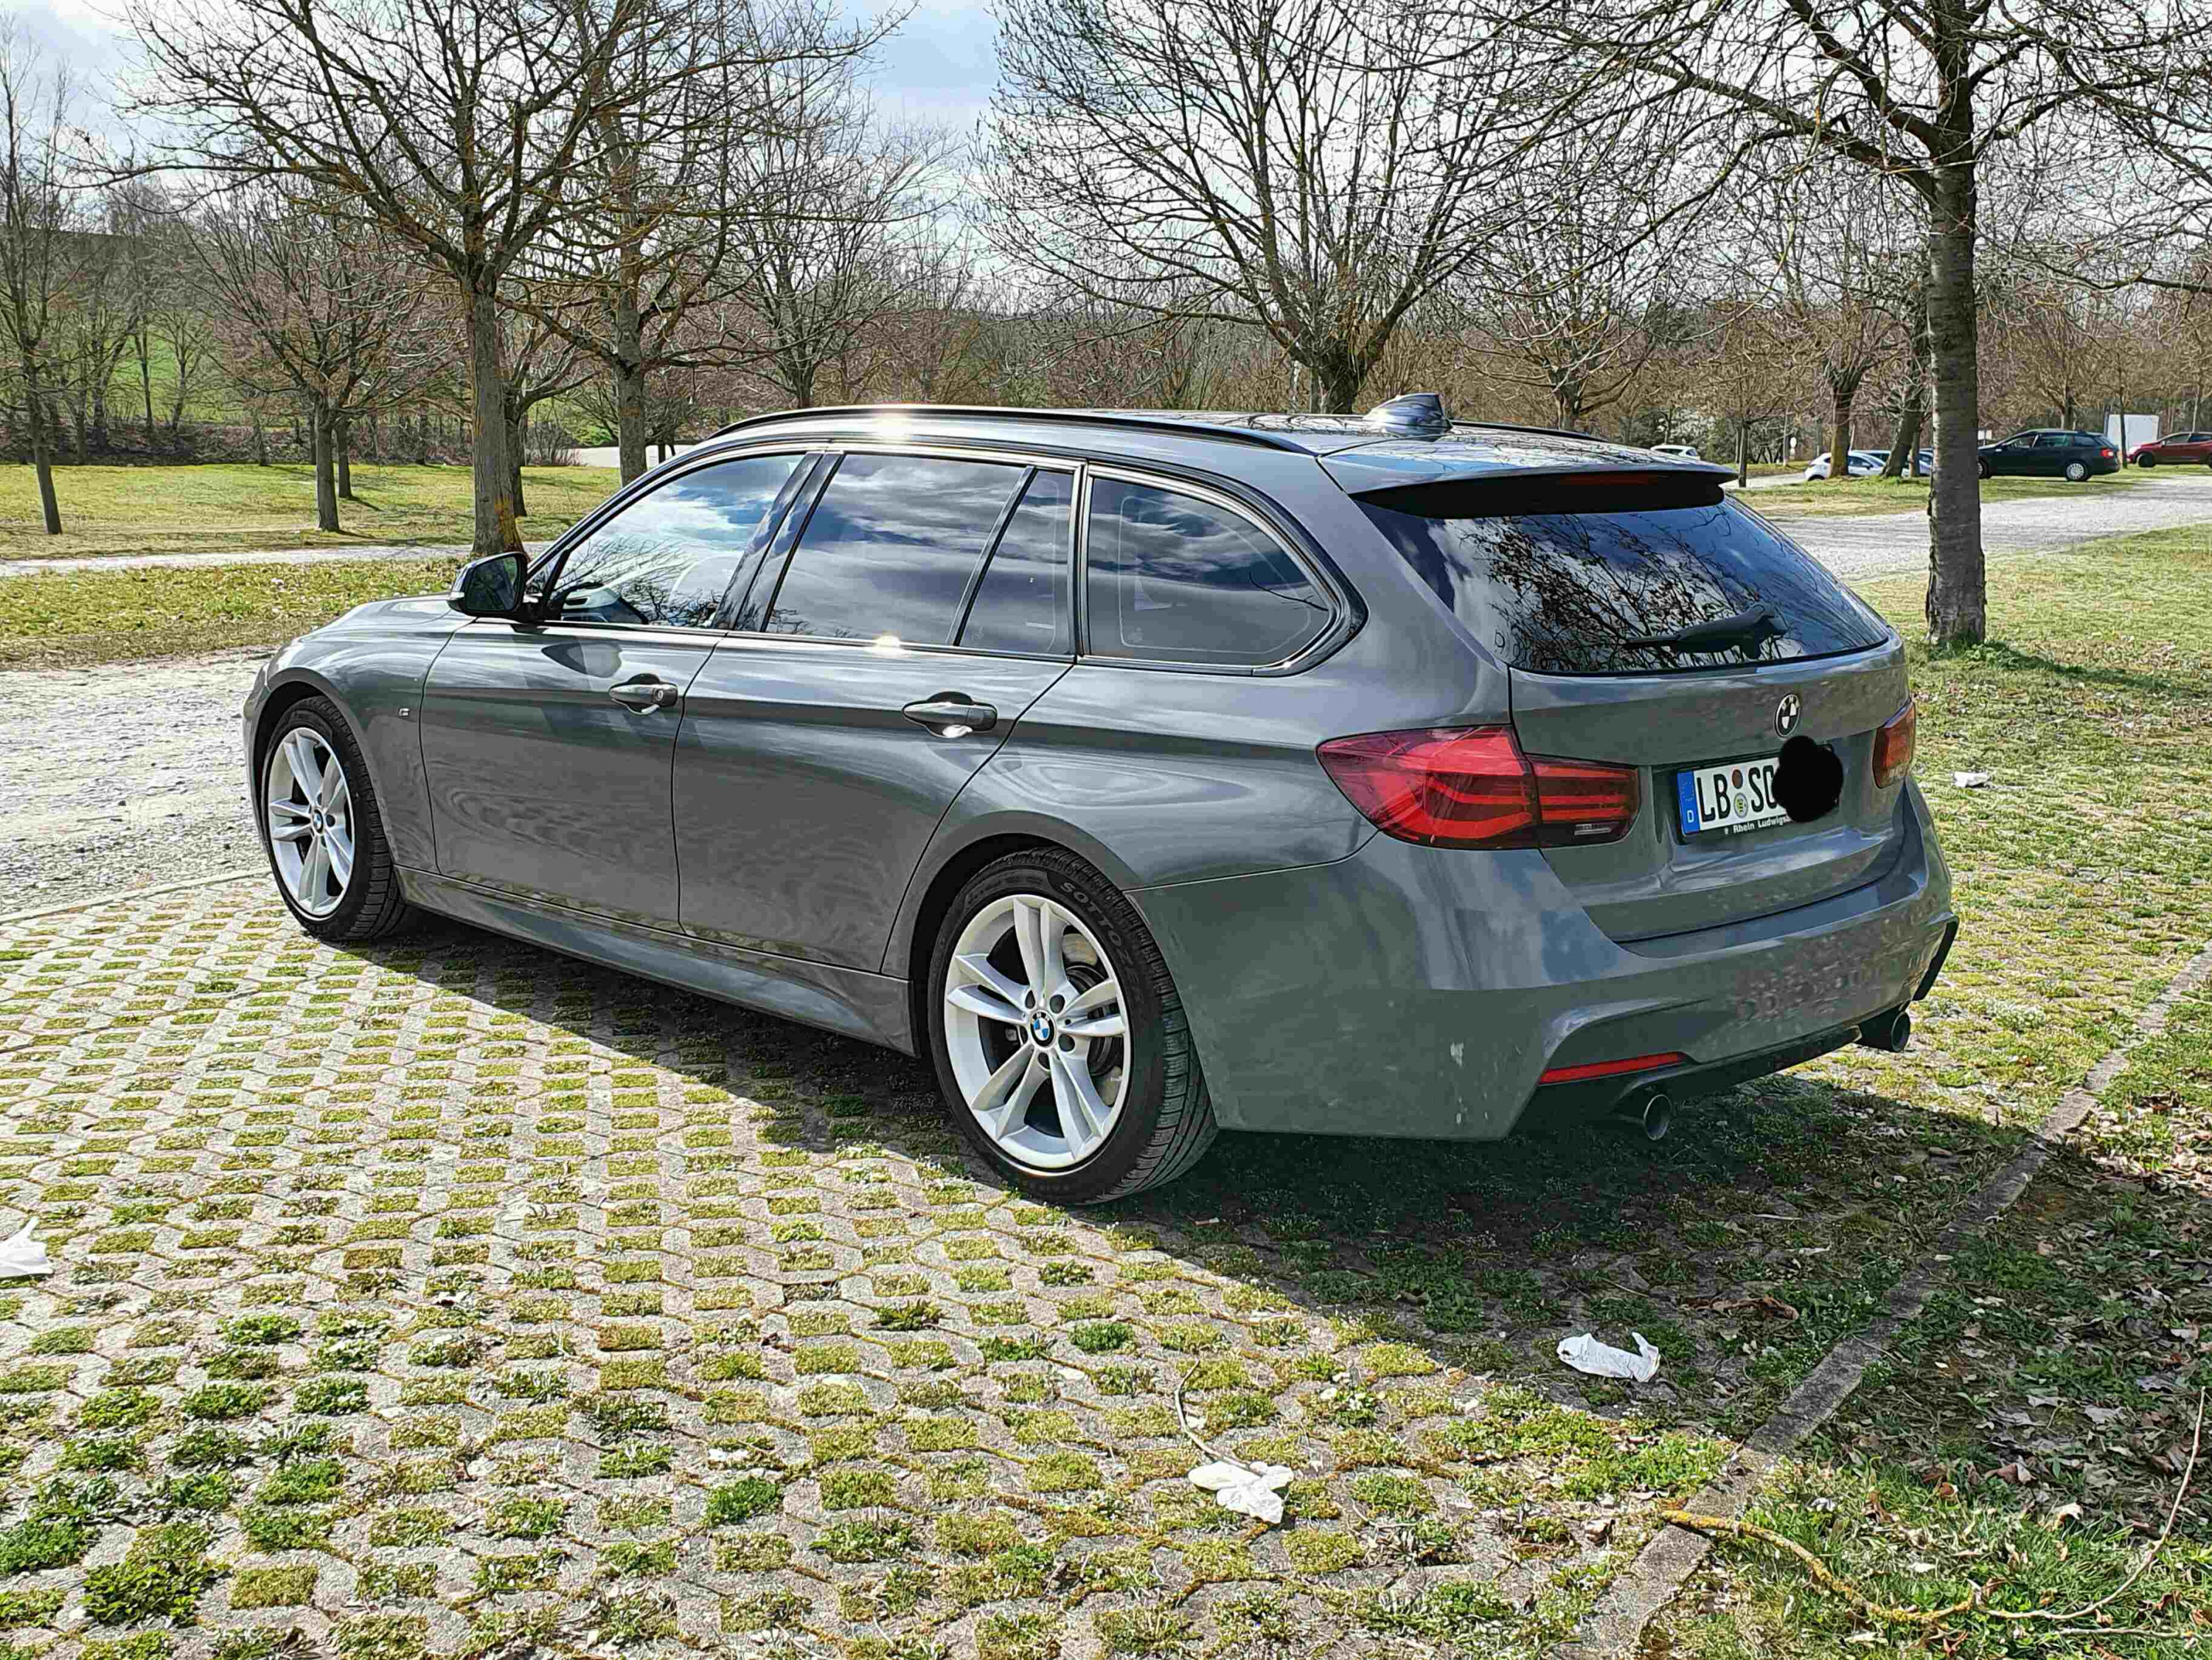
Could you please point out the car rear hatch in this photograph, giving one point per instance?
(1646, 622)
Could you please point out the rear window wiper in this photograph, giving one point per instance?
(1749, 629)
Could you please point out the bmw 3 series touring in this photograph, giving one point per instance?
(1151, 775)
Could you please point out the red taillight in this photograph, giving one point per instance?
(1892, 745)
(1471, 786)
(2107, 455)
(1611, 1068)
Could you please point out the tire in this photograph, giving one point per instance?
(367, 905)
(2077, 471)
(2146, 461)
(1982, 467)
(1160, 1120)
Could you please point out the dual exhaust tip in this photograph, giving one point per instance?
(1652, 1112)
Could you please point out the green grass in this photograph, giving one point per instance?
(229, 507)
(1827, 498)
(79, 619)
(2027, 1434)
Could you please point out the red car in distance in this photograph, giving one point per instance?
(2175, 449)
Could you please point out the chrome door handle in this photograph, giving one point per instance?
(950, 715)
(644, 694)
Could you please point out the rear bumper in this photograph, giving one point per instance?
(1413, 992)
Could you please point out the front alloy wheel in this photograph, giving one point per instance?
(1059, 1037)
(310, 819)
(324, 836)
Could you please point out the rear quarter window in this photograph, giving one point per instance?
(1174, 578)
(1560, 579)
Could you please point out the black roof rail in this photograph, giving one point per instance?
(1186, 426)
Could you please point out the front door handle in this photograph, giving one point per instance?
(644, 693)
(950, 715)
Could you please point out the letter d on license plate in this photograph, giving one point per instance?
(1738, 796)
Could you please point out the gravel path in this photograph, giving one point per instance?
(1864, 546)
(124, 776)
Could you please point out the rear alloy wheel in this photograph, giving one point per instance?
(325, 837)
(1059, 1038)
(2077, 470)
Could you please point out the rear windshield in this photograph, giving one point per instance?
(1553, 584)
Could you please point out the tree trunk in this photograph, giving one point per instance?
(1840, 441)
(517, 432)
(326, 491)
(1338, 382)
(495, 529)
(1743, 454)
(260, 443)
(629, 329)
(343, 431)
(1958, 601)
(146, 384)
(42, 455)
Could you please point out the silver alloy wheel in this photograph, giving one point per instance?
(1036, 1029)
(309, 812)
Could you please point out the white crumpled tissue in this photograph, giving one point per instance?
(1970, 780)
(22, 1256)
(1253, 1490)
(1586, 1353)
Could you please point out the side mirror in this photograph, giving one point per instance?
(489, 588)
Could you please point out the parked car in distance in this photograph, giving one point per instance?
(1927, 460)
(1677, 451)
(2175, 449)
(2052, 452)
(1149, 774)
(1859, 464)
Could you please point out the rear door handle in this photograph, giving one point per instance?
(950, 715)
(644, 693)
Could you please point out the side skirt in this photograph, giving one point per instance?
(872, 1007)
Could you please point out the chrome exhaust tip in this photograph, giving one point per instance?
(1653, 1115)
(1892, 1032)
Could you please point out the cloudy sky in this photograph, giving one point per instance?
(939, 67)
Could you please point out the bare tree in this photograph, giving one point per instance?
(1591, 268)
(1839, 261)
(1317, 168)
(317, 304)
(1921, 91)
(41, 197)
(847, 205)
(663, 180)
(456, 127)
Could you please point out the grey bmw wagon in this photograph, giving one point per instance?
(1154, 774)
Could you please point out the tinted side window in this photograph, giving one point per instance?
(890, 548)
(2055, 440)
(1175, 579)
(666, 557)
(1021, 602)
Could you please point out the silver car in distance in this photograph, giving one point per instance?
(1156, 774)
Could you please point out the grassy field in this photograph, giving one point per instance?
(116, 510)
(1828, 498)
(2028, 1435)
(79, 619)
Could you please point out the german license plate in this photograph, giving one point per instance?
(1737, 796)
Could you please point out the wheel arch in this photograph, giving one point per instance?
(287, 694)
(946, 870)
